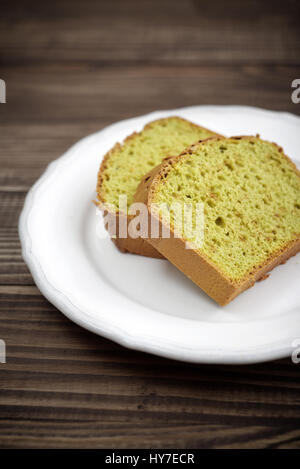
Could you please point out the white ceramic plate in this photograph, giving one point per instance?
(146, 304)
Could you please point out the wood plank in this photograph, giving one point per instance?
(120, 434)
(89, 99)
(159, 31)
(50, 109)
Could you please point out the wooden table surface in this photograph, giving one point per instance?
(71, 68)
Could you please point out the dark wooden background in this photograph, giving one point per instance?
(71, 68)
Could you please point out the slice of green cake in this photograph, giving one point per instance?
(124, 166)
(251, 196)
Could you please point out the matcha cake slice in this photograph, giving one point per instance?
(124, 166)
(250, 192)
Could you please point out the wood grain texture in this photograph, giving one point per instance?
(72, 68)
(161, 31)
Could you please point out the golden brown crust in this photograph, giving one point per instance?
(195, 265)
(138, 245)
